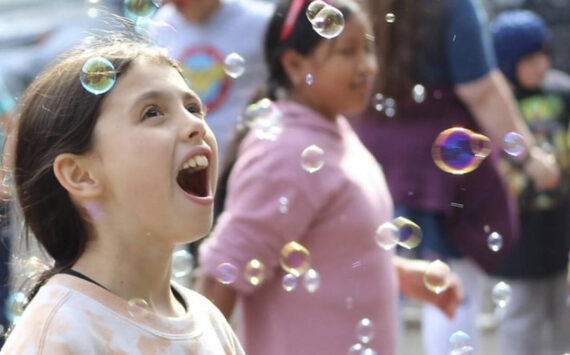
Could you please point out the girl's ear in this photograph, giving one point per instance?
(295, 66)
(74, 173)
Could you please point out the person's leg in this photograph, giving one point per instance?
(437, 328)
(558, 337)
(520, 327)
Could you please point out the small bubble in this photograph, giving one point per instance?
(314, 8)
(495, 241)
(312, 280)
(368, 351)
(255, 272)
(355, 349)
(182, 262)
(234, 65)
(419, 93)
(514, 144)
(387, 235)
(283, 204)
(437, 276)
(226, 273)
(459, 150)
(289, 282)
(98, 75)
(309, 79)
(501, 294)
(15, 305)
(312, 158)
(365, 330)
(328, 22)
(295, 258)
(389, 107)
(92, 12)
(390, 17)
(264, 118)
(409, 233)
(139, 8)
(137, 307)
(460, 343)
(378, 102)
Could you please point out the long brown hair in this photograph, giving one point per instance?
(57, 115)
(401, 44)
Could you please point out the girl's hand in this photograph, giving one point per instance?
(411, 277)
(542, 168)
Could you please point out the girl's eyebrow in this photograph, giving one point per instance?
(161, 95)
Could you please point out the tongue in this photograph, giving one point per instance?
(193, 183)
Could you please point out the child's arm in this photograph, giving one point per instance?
(224, 297)
(410, 276)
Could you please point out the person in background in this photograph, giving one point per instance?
(437, 70)
(536, 320)
(348, 301)
(200, 34)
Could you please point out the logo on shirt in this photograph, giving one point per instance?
(203, 67)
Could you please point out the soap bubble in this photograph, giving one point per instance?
(295, 258)
(255, 272)
(409, 234)
(387, 235)
(309, 79)
(312, 280)
(419, 93)
(312, 158)
(182, 263)
(15, 305)
(139, 8)
(365, 330)
(137, 307)
(289, 282)
(226, 273)
(98, 75)
(314, 8)
(264, 118)
(514, 144)
(495, 241)
(437, 276)
(234, 65)
(368, 351)
(501, 294)
(283, 204)
(328, 22)
(459, 150)
(390, 17)
(355, 349)
(460, 343)
(378, 102)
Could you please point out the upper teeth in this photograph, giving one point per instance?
(196, 161)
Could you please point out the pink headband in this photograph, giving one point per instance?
(291, 18)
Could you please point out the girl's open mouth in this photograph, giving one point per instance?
(193, 177)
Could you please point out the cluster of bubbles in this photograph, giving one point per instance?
(264, 119)
(364, 333)
(384, 104)
(327, 20)
(134, 9)
(501, 294)
(495, 241)
(460, 150)
(234, 65)
(311, 281)
(182, 263)
(98, 75)
(312, 158)
(437, 276)
(399, 231)
(514, 144)
(461, 343)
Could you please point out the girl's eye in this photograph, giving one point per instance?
(195, 109)
(152, 112)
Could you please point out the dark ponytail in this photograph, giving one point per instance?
(57, 115)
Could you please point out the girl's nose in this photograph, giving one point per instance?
(194, 127)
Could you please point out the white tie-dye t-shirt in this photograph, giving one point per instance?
(72, 316)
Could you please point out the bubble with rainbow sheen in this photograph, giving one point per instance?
(295, 258)
(234, 65)
(254, 272)
(328, 22)
(98, 75)
(386, 235)
(312, 158)
(495, 241)
(226, 273)
(459, 150)
(437, 276)
(409, 233)
(134, 9)
(289, 282)
(460, 343)
(314, 8)
(137, 307)
(514, 144)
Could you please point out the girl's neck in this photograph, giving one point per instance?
(138, 270)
